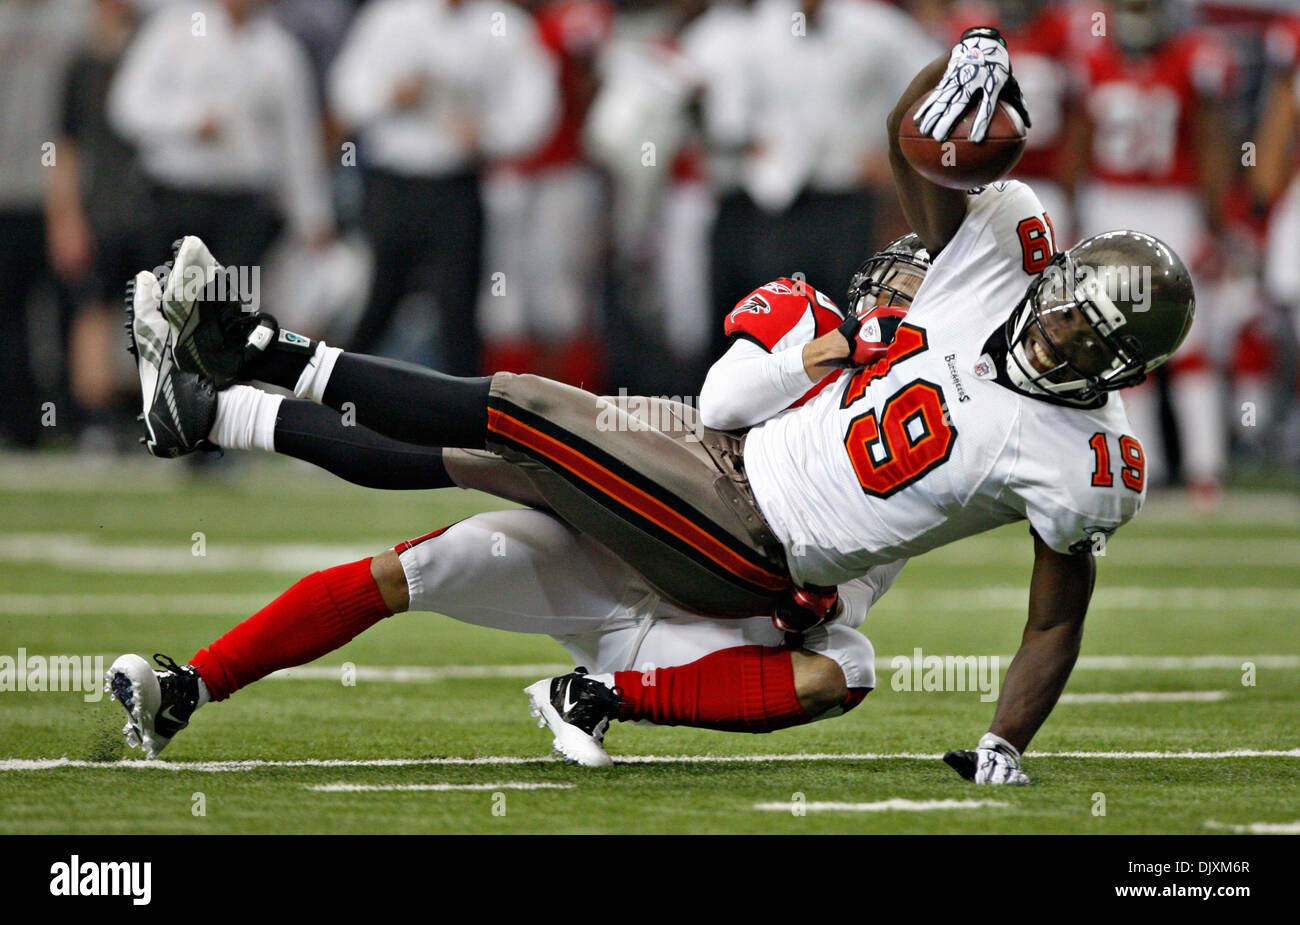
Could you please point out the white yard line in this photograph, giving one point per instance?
(1248, 599)
(375, 788)
(46, 764)
(896, 804)
(1182, 662)
(1257, 828)
(226, 552)
(429, 674)
(80, 553)
(419, 674)
(62, 605)
(1147, 697)
(1107, 597)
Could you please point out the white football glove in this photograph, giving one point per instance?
(995, 761)
(979, 63)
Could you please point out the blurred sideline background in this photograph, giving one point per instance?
(583, 188)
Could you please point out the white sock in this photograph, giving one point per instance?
(311, 384)
(245, 419)
(204, 696)
(605, 679)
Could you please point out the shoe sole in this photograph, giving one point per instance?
(155, 355)
(134, 685)
(571, 743)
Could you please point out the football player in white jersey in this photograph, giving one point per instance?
(995, 403)
(669, 665)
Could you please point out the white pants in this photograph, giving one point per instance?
(525, 571)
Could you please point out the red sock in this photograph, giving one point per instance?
(317, 615)
(745, 689)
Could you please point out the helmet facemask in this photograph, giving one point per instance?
(890, 277)
(1067, 339)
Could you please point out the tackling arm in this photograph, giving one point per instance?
(1059, 591)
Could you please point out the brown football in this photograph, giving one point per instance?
(958, 163)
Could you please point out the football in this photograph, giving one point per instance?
(959, 163)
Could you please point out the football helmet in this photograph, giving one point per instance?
(1099, 318)
(891, 276)
(880, 294)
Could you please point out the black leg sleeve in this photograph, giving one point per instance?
(318, 435)
(410, 403)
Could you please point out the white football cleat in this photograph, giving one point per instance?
(158, 704)
(148, 330)
(214, 334)
(577, 709)
(192, 268)
(179, 407)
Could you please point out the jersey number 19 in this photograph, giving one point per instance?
(910, 437)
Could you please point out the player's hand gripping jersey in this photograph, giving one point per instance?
(926, 446)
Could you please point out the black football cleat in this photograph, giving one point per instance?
(158, 703)
(216, 334)
(578, 710)
(963, 761)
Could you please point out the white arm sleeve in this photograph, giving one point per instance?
(748, 385)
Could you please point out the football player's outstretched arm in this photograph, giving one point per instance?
(1058, 599)
(934, 212)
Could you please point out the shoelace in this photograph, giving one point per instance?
(167, 663)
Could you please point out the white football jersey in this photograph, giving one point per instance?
(926, 447)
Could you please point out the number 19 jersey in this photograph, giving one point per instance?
(926, 446)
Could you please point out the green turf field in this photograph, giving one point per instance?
(98, 561)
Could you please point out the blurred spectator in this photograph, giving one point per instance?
(36, 39)
(546, 222)
(1159, 161)
(1275, 183)
(96, 216)
(218, 98)
(639, 130)
(432, 89)
(1276, 179)
(719, 47)
(817, 164)
(321, 26)
(761, 125)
